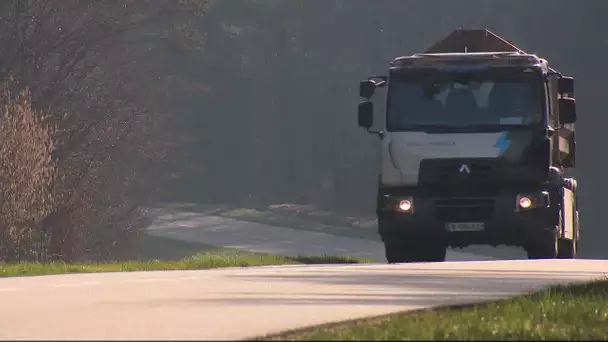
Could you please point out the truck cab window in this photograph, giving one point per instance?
(452, 100)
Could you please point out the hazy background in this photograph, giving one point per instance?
(277, 121)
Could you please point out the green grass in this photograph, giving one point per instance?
(199, 261)
(576, 312)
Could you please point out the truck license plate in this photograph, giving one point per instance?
(465, 226)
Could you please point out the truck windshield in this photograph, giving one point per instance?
(420, 100)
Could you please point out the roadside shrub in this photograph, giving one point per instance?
(86, 140)
(27, 177)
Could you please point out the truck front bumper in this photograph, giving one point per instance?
(495, 220)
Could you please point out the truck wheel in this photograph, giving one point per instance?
(396, 253)
(413, 252)
(436, 253)
(547, 249)
(567, 249)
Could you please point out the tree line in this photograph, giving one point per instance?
(109, 105)
(278, 122)
(85, 129)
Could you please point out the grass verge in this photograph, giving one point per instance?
(575, 312)
(201, 261)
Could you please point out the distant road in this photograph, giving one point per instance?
(257, 237)
(240, 303)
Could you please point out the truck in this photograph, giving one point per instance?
(477, 147)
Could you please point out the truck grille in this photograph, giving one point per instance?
(460, 172)
(464, 209)
(479, 172)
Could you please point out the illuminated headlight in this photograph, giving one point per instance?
(530, 201)
(397, 203)
(525, 202)
(405, 206)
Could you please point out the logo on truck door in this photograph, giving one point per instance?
(502, 143)
(465, 168)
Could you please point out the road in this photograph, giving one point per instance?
(262, 238)
(235, 304)
(241, 303)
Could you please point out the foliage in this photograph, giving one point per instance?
(27, 173)
(95, 72)
(283, 86)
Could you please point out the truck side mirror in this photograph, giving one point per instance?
(565, 85)
(367, 89)
(366, 114)
(567, 110)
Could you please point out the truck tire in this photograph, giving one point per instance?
(547, 249)
(436, 253)
(406, 252)
(396, 253)
(567, 249)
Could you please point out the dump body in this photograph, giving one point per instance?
(471, 41)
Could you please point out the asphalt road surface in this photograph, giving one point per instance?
(230, 304)
(241, 303)
(262, 238)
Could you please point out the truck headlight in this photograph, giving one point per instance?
(525, 202)
(405, 206)
(396, 203)
(530, 201)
